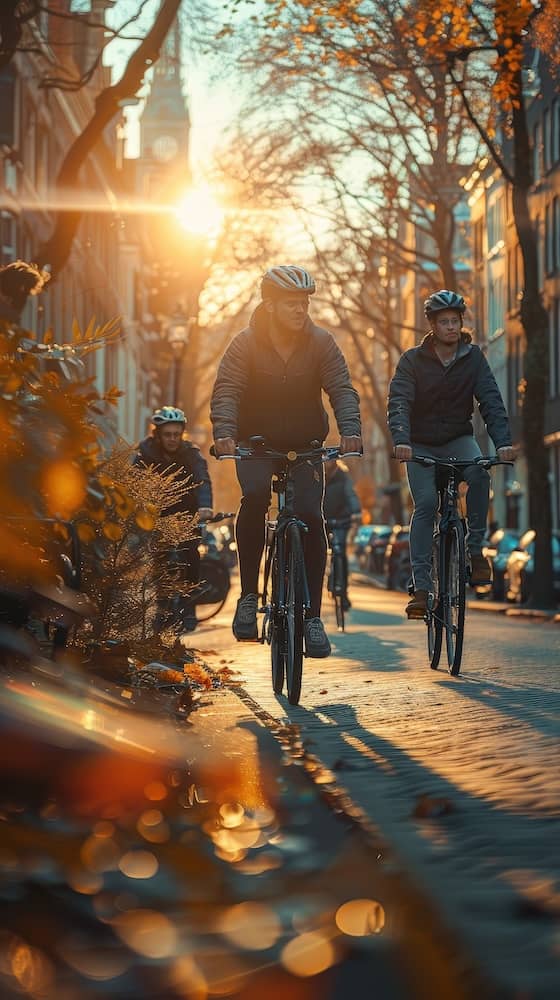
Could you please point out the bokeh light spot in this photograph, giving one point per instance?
(360, 917)
(252, 926)
(139, 864)
(308, 954)
(147, 932)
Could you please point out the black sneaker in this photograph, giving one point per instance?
(317, 644)
(244, 625)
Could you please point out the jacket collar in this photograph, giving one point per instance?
(427, 346)
(259, 323)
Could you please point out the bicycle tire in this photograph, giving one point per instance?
(434, 620)
(295, 611)
(454, 598)
(216, 579)
(338, 589)
(277, 637)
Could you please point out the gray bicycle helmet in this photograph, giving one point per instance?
(168, 415)
(444, 299)
(287, 278)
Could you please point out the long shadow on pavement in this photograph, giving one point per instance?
(534, 706)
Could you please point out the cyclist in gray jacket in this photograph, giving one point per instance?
(430, 413)
(269, 383)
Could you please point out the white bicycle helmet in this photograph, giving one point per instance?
(168, 415)
(287, 278)
(444, 299)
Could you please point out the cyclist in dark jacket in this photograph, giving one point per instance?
(166, 451)
(270, 383)
(430, 413)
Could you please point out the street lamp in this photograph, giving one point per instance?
(178, 333)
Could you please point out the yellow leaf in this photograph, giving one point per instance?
(48, 336)
(85, 532)
(113, 531)
(145, 521)
(76, 332)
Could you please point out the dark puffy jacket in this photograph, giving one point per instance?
(340, 501)
(256, 392)
(433, 404)
(192, 467)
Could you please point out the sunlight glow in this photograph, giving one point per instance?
(200, 213)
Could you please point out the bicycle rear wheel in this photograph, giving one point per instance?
(295, 611)
(454, 598)
(338, 588)
(211, 593)
(278, 637)
(435, 623)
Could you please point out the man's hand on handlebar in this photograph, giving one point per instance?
(403, 453)
(350, 444)
(506, 454)
(205, 513)
(224, 446)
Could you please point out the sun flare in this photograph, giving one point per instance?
(199, 212)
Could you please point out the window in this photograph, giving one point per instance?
(554, 348)
(537, 152)
(514, 376)
(555, 131)
(547, 144)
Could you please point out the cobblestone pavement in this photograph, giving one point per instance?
(461, 776)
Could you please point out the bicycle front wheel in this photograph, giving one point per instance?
(295, 611)
(434, 619)
(277, 637)
(453, 596)
(338, 588)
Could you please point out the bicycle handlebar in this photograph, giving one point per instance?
(324, 454)
(486, 461)
(220, 516)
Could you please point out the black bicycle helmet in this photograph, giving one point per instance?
(444, 299)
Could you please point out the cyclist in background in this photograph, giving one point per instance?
(269, 383)
(167, 450)
(340, 504)
(430, 412)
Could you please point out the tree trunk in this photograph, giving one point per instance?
(534, 320)
(107, 104)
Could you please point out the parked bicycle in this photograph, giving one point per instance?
(285, 592)
(213, 588)
(450, 567)
(338, 570)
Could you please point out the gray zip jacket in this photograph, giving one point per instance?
(257, 393)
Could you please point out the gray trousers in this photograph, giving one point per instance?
(422, 482)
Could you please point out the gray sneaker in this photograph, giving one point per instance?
(245, 619)
(317, 644)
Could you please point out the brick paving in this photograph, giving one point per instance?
(461, 776)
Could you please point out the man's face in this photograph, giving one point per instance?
(170, 436)
(446, 326)
(289, 311)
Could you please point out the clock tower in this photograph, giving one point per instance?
(165, 126)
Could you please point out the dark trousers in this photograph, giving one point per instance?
(255, 479)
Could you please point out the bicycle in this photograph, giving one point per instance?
(213, 588)
(286, 606)
(446, 603)
(338, 574)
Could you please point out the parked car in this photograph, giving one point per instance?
(375, 548)
(498, 549)
(520, 567)
(396, 562)
(361, 539)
